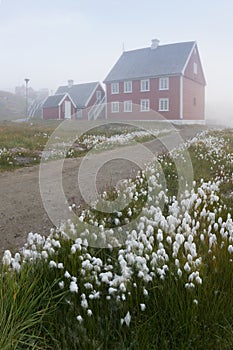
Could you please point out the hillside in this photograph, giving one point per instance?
(11, 106)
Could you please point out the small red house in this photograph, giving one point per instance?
(59, 106)
(76, 101)
(157, 82)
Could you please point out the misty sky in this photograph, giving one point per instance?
(50, 41)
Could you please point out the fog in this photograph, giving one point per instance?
(53, 41)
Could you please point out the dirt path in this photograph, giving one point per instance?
(21, 206)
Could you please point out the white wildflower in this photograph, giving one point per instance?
(73, 287)
(61, 284)
(126, 319)
(52, 264)
(79, 318)
(89, 312)
(143, 307)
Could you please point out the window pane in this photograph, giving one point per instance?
(164, 83)
(145, 105)
(128, 86)
(127, 106)
(115, 107)
(115, 88)
(163, 104)
(145, 85)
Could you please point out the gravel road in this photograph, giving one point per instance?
(21, 205)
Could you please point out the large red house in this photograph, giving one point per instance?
(157, 82)
(75, 101)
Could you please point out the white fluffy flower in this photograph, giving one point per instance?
(52, 264)
(89, 312)
(61, 284)
(143, 307)
(6, 260)
(126, 319)
(79, 318)
(73, 287)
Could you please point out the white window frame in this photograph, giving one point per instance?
(145, 85)
(195, 68)
(128, 106)
(164, 105)
(145, 105)
(128, 86)
(115, 88)
(115, 107)
(164, 83)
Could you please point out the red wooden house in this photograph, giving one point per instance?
(74, 101)
(157, 82)
(60, 106)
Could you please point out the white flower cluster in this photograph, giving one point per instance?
(6, 156)
(159, 245)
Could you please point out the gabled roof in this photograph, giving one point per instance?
(56, 100)
(80, 93)
(53, 101)
(164, 60)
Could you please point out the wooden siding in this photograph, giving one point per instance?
(189, 72)
(53, 112)
(173, 94)
(193, 100)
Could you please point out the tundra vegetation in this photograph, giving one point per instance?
(168, 286)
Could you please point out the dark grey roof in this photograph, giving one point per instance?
(164, 60)
(53, 101)
(80, 93)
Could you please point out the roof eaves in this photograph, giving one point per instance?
(91, 94)
(190, 54)
(64, 97)
(143, 77)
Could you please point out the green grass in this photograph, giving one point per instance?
(27, 301)
(23, 143)
(37, 314)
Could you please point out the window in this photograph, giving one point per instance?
(163, 104)
(194, 101)
(127, 86)
(127, 106)
(115, 88)
(145, 105)
(115, 107)
(195, 68)
(145, 85)
(98, 95)
(163, 83)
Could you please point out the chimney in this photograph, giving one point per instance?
(70, 83)
(154, 44)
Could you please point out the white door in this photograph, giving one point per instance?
(67, 110)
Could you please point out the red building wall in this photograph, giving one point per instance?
(173, 94)
(193, 100)
(62, 109)
(189, 71)
(51, 113)
(194, 89)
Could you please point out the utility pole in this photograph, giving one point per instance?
(26, 81)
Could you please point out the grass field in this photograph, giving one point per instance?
(21, 144)
(168, 286)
